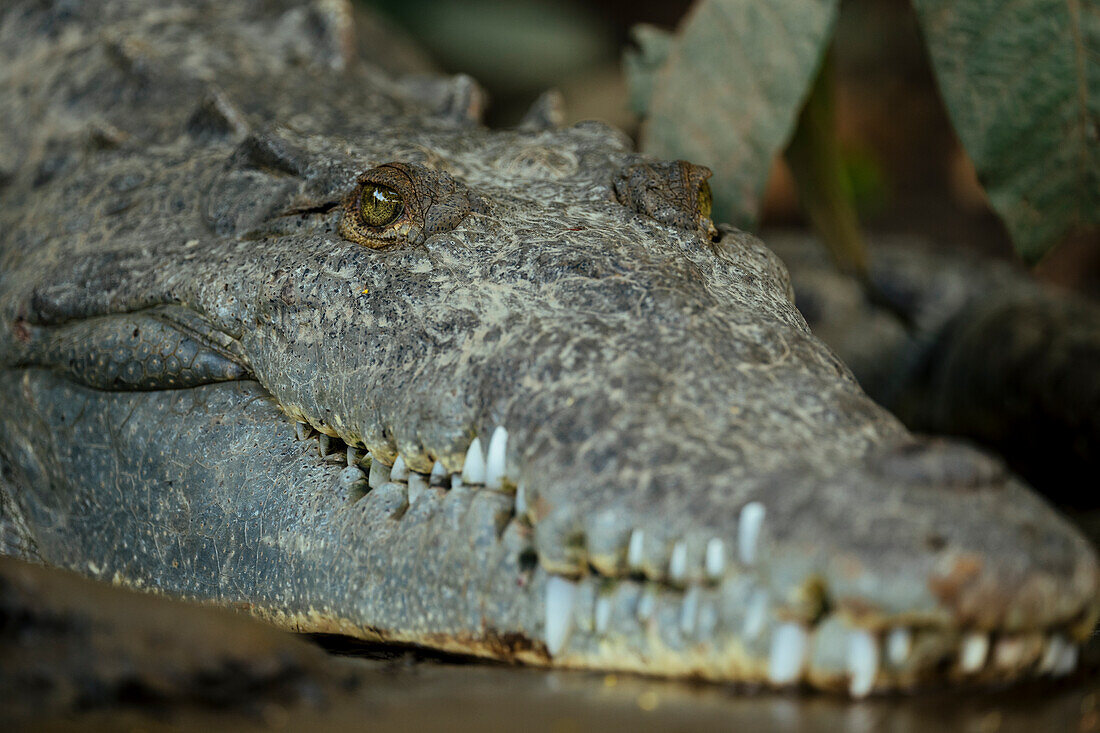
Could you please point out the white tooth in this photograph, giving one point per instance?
(756, 614)
(689, 611)
(456, 481)
(399, 472)
(353, 455)
(748, 531)
(379, 473)
(439, 475)
(788, 653)
(324, 445)
(521, 500)
(975, 648)
(603, 614)
(561, 595)
(898, 644)
(862, 663)
(494, 464)
(678, 562)
(418, 484)
(708, 619)
(716, 558)
(647, 604)
(302, 430)
(1067, 661)
(473, 470)
(634, 549)
(1053, 652)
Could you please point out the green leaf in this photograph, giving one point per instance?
(1021, 80)
(728, 96)
(641, 64)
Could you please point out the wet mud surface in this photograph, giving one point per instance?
(79, 655)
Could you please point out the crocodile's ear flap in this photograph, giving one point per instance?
(545, 113)
(216, 118)
(457, 97)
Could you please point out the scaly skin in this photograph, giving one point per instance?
(686, 481)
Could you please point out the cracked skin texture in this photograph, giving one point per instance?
(186, 172)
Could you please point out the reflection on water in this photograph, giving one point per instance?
(396, 695)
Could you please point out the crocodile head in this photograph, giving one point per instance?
(508, 393)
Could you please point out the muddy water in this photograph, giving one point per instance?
(466, 698)
(433, 696)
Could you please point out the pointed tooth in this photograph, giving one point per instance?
(647, 604)
(715, 563)
(561, 596)
(677, 564)
(418, 484)
(899, 642)
(788, 653)
(494, 463)
(603, 614)
(756, 614)
(748, 531)
(302, 430)
(708, 619)
(1051, 654)
(974, 650)
(399, 472)
(379, 473)
(689, 611)
(473, 470)
(439, 475)
(1067, 661)
(863, 657)
(354, 456)
(521, 500)
(456, 481)
(324, 445)
(634, 549)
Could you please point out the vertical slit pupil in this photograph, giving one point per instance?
(380, 205)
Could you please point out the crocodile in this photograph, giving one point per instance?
(286, 329)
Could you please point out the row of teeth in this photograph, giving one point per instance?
(479, 468)
(790, 646)
(790, 643)
(487, 469)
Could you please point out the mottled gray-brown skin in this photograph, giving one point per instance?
(175, 293)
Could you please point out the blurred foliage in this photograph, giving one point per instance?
(1021, 81)
(730, 89)
(506, 45)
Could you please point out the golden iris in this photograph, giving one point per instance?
(703, 200)
(379, 205)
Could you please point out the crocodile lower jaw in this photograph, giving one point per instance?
(704, 617)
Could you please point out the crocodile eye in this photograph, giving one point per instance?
(703, 200)
(380, 205)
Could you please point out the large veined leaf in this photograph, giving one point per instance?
(1021, 80)
(730, 91)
